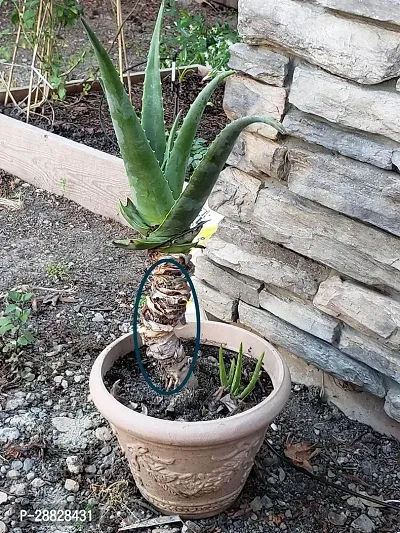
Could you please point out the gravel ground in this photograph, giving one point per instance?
(57, 452)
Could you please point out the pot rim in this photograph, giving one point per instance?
(193, 433)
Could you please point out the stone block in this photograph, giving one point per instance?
(259, 62)
(382, 10)
(356, 189)
(234, 194)
(361, 308)
(259, 156)
(392, 403)
(372, 149)
(369, 109)
(371, 352)
(300, 313)
(355, 249)
(229, 282)
(396, 160)
(313, 350)
(245, 96)
(264, 261)
(352, 49)
(214, 302)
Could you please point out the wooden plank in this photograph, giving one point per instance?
(76, 86)
(91, 178)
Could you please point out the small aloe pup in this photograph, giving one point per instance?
(160, 208)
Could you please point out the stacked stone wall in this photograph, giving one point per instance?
(308, 253)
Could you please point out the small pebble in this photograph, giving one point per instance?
(90, 469)
(28, 464)
(105, 450)
(98, 317)
(71, 485)
(19, 489)
(13, 474)
(256, 504)
(103, 433)
(337, 519)
(37, 483)
(3, 527)
(374, 512)
(364, 524)
(30, 476)
(74, 464)
(3, 497)
(353, 501)
(266, 501)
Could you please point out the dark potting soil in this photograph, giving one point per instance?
(190, 404)
(79, 118)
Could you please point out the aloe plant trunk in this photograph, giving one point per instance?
(163, 311)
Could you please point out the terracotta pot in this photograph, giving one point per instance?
(194, 469)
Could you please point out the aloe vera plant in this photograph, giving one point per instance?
(160, 208)
(232, 382)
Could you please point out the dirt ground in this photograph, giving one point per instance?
(47, 422)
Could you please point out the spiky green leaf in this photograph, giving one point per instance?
(237, 378)
(256, 375)
(132, 216)
(179, 248)
(231, 372)
(136, 244)
(222, 370)
(152, 105)
(171, 139)
(150, 191)
(193, 198)
(175, 170)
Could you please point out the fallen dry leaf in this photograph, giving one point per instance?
(67, 299)
(301, 454)
(277, 518)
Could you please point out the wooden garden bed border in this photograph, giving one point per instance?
(91, 178)
(76, 86)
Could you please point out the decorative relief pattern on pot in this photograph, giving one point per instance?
(191, 484)
(194, 509)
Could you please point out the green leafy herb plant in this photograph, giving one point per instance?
(14, 333)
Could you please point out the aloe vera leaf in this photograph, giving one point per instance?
(255, 377)
(152, 117)
(175, 170)
(171, 138)
(193, 198)
(144, 174)
(222, 370)
(238, 372)
(136, 244)
(132, 216)
(231, 372)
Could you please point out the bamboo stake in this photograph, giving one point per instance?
(122, 33)
(35, 49)
(120, 42)
(15, 51)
